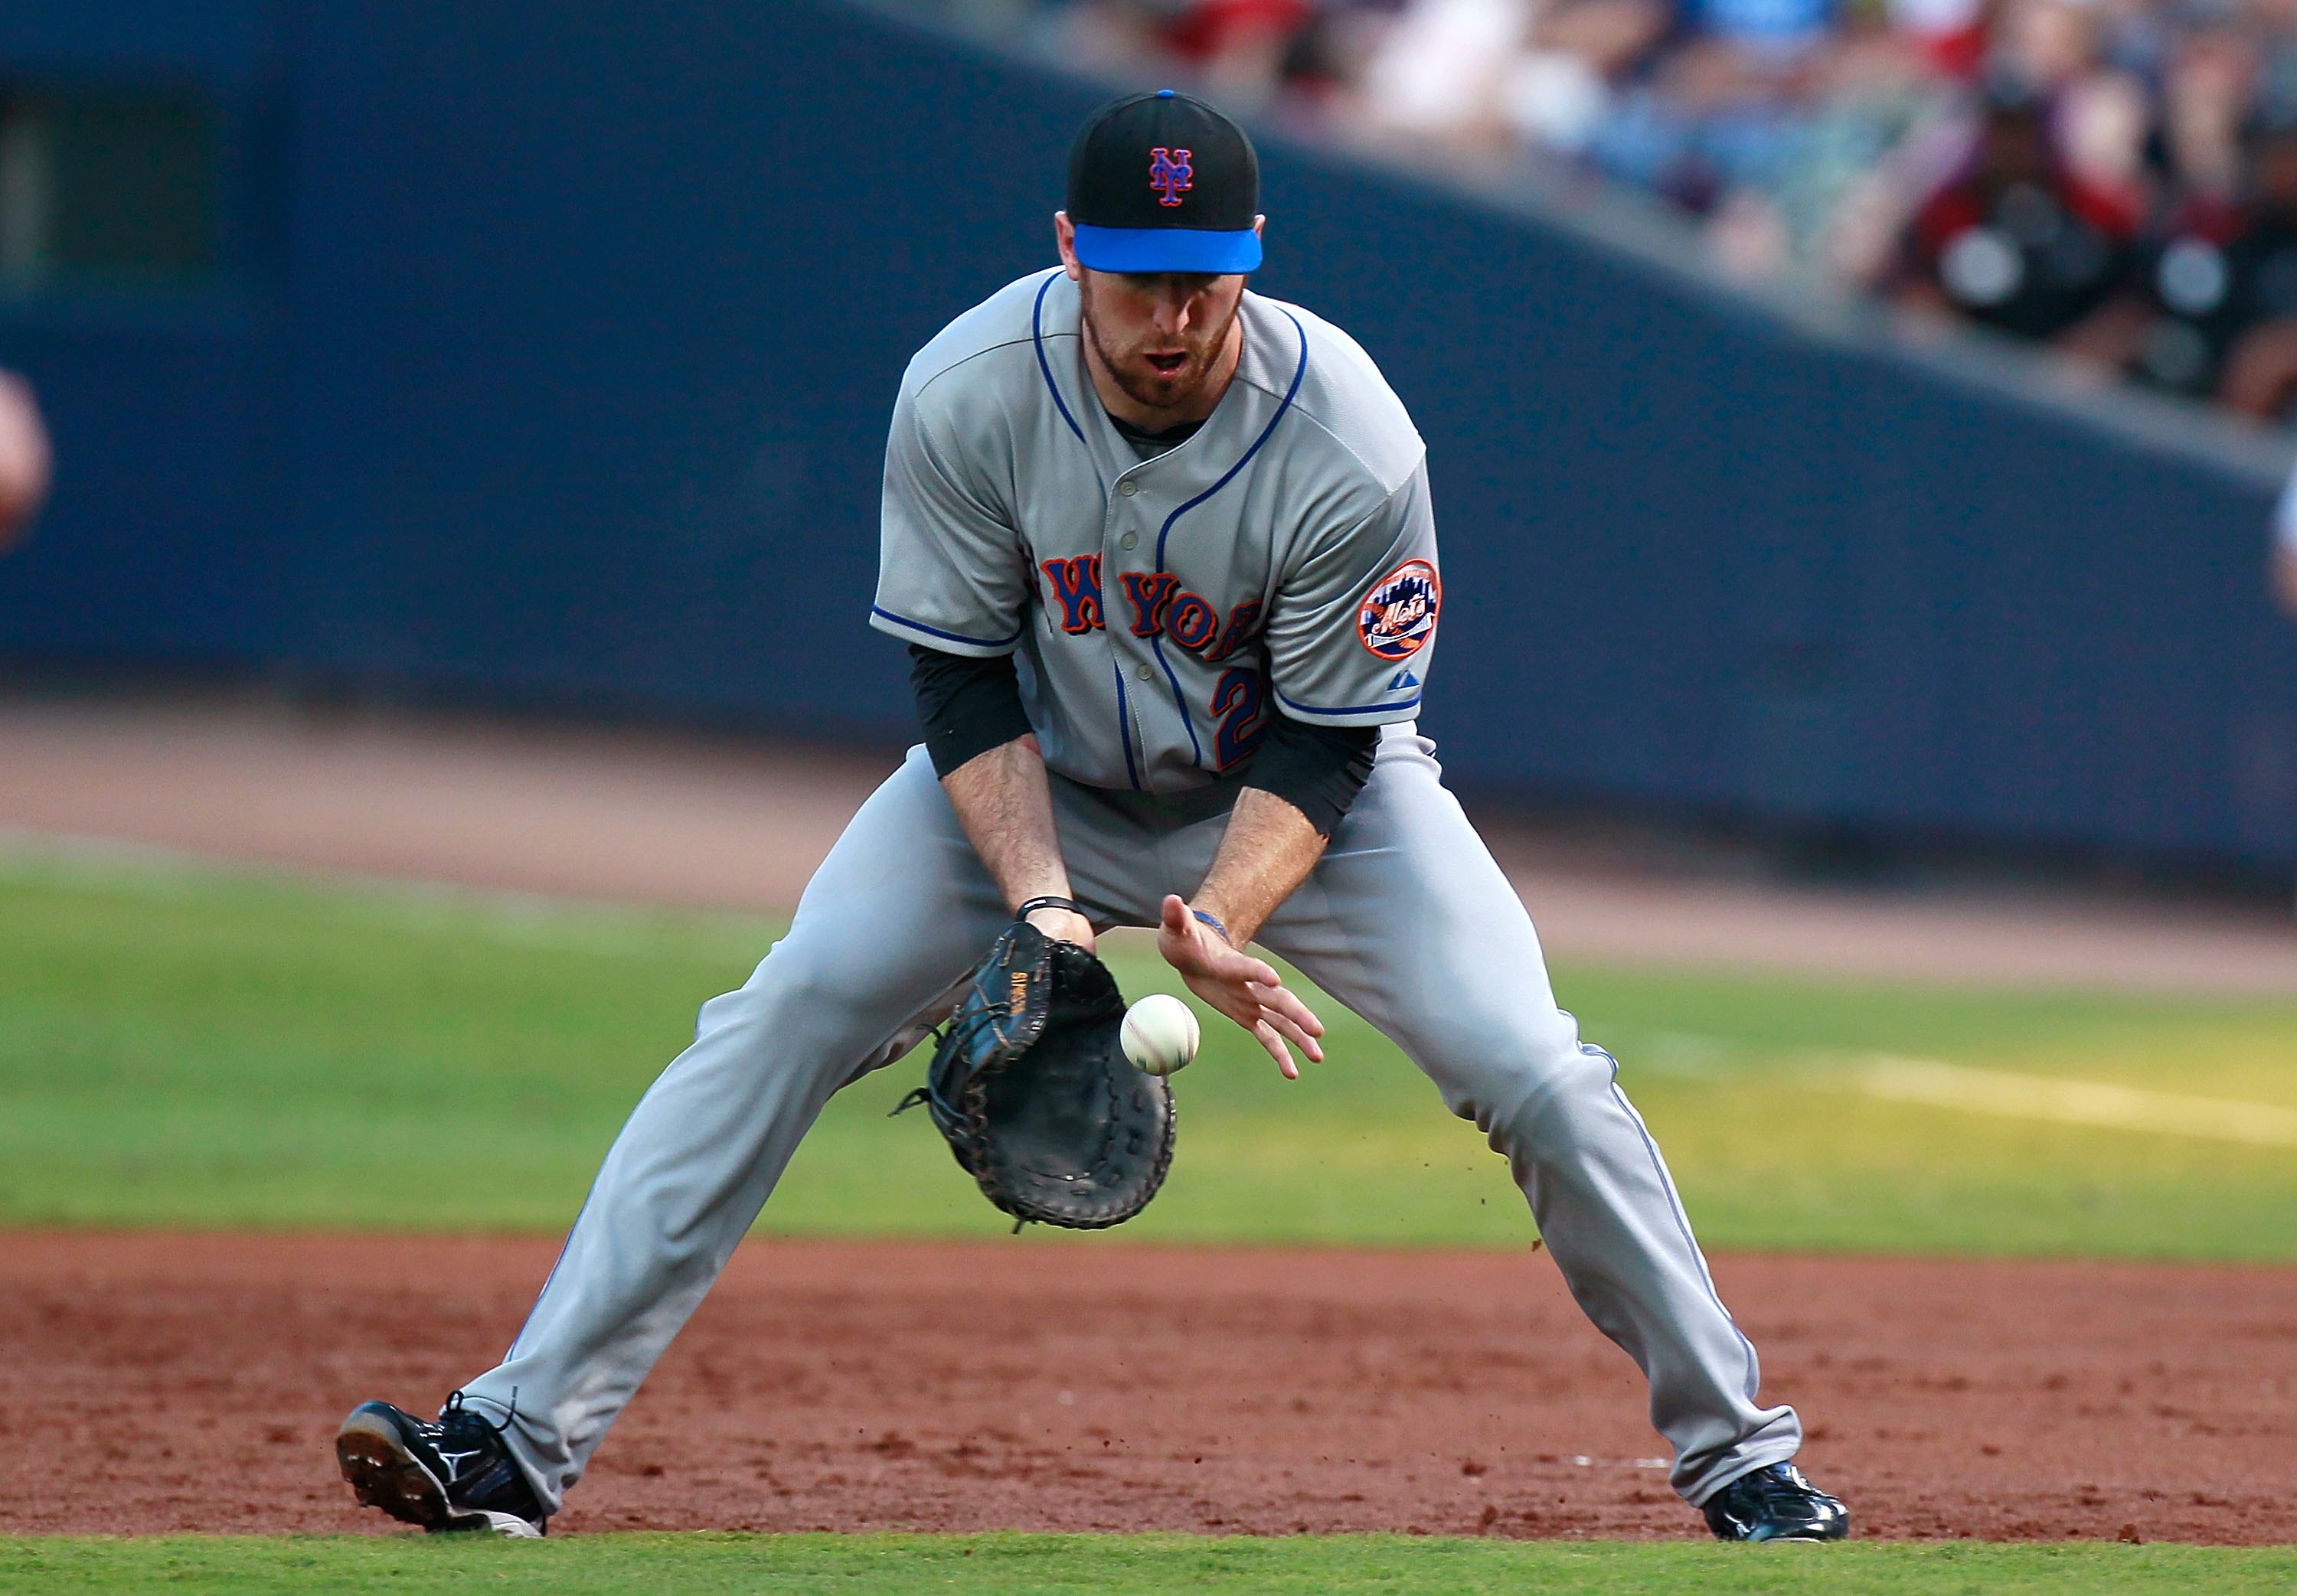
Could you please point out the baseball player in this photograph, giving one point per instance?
(1163, 553)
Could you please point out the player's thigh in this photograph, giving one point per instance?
(896, 914)
(1408, 921)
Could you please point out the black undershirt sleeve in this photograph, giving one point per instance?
(968, 707)
(1317, 769)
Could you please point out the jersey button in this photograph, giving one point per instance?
(1128, 487)
(1129, 541)
(1145, 671)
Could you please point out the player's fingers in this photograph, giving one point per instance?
(1242, 967)
(1285, 1003)
(1286, 1027)
(1240, 1006)
(1176, 939)
(1276, 1049)
(1175, 915)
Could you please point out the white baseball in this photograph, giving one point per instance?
(1159, 1035)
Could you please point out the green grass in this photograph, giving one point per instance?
(1012, 1565)
(202, 1049)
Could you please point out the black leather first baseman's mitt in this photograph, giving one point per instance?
(1035, 1096)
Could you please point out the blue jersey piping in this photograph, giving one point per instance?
(1045, 370)
(1354, 709)
(880, 610)
(1226, 477)
(1125, 726)
(1037, 338)
(1157, 645)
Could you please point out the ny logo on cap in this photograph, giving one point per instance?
(1169, 174)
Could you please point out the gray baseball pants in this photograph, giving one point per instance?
(1405, 920)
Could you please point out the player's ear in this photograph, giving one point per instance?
(1065, 236)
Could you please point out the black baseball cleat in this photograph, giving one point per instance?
(1775, 1503)
(454, 1475)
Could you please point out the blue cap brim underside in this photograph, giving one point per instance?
(1168, 250)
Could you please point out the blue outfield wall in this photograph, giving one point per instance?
(555, 353)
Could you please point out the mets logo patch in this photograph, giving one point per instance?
(1399, 614)
(1170, 174)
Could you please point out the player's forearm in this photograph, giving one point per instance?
(1005, 806)
(1270, 848)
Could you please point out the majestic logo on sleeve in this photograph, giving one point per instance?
(1170, 174)
(1399, 614)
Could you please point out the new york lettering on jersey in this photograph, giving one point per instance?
(1157, 606)
(1271, 563)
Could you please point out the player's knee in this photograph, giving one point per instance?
(1578, 1103)
(1526, 1101)
(789, 1001)
(801, 1019)
(1487, 1064)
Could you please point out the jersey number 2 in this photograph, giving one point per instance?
(1236, 704)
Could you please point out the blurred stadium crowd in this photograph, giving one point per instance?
(2115, 178)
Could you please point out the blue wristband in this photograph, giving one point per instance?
(1215, 925)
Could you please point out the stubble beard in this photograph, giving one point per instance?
(1143, 383)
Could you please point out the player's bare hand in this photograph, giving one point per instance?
(1241, 986)
(1064, 925)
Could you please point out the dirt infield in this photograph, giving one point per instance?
(194, 1382)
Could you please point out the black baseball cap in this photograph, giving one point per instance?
(1164, 183)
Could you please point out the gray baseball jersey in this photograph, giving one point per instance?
(1282, 560)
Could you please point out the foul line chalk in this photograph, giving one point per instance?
(2077, 1102)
